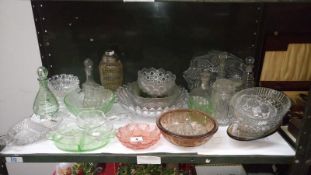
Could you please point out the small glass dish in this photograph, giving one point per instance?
(138, 135)
(74, 101)
(63, 84)
(185, 127)
(155, 82)
(258, 112)
(75, 139)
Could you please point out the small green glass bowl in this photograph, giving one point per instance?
(74, 101)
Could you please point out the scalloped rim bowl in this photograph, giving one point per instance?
(138, 135)
(62, 84)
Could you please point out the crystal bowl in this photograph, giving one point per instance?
(74, 101)
(138, 135)
(63, 84)
(88, 119)
(185, 127)
(155, 82)
(150, 107)
(258, 112)
(78, 140)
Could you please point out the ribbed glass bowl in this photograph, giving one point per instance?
(258, 112)
(63, 84)
(150, 107)
(185, 127)
(74, 101)
(138, 135)
(155, 82)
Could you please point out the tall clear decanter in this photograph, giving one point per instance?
(200, 96)
(45, 104)
(111, 71)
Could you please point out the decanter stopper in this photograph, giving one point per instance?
(45, 104)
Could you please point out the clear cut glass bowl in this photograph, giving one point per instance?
(152, 107)
(63, 84)
(138, 135)
(185, 127)
(155, 82)
(104, 100)
(257, 112)
(88, 119)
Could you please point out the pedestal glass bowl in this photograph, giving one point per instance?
(185, 127)
(63, 84)
(138, 135)
(155, 82)
(88, 119)
(258, 112)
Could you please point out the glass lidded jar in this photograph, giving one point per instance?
(111, 71)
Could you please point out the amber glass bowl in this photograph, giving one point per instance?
(185, 127)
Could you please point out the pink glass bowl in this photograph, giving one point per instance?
(138, 135)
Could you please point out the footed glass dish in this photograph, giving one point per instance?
(138, 135)
(258, 112)
(103, 101)
(63, 84)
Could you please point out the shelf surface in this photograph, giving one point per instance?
(219, 149)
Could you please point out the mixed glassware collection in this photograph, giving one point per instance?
(221, 94)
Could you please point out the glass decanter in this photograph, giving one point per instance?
(248, 79)
(45, 104)
(200, 97)
(111, 71)
(90, 87)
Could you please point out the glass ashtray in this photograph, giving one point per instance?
(138, 135)
(75, 139)
(74, 101)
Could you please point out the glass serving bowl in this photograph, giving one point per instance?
(138, 135)
(155, 82)
(258, 112)
(104, 100)
(88, 119)
(63, 84)
(75, 139)
(185, 127)
(151, 107)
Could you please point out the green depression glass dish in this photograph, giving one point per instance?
(104, 99)
(80, 140)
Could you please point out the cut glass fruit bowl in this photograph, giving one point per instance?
(63, 84)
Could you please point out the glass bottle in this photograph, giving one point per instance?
(200, 96)
(111, 71)
(45, 104)
(248, 79)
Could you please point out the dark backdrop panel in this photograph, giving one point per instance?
(161, 34)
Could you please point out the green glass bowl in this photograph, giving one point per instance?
(79, 140)
(74, 101)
